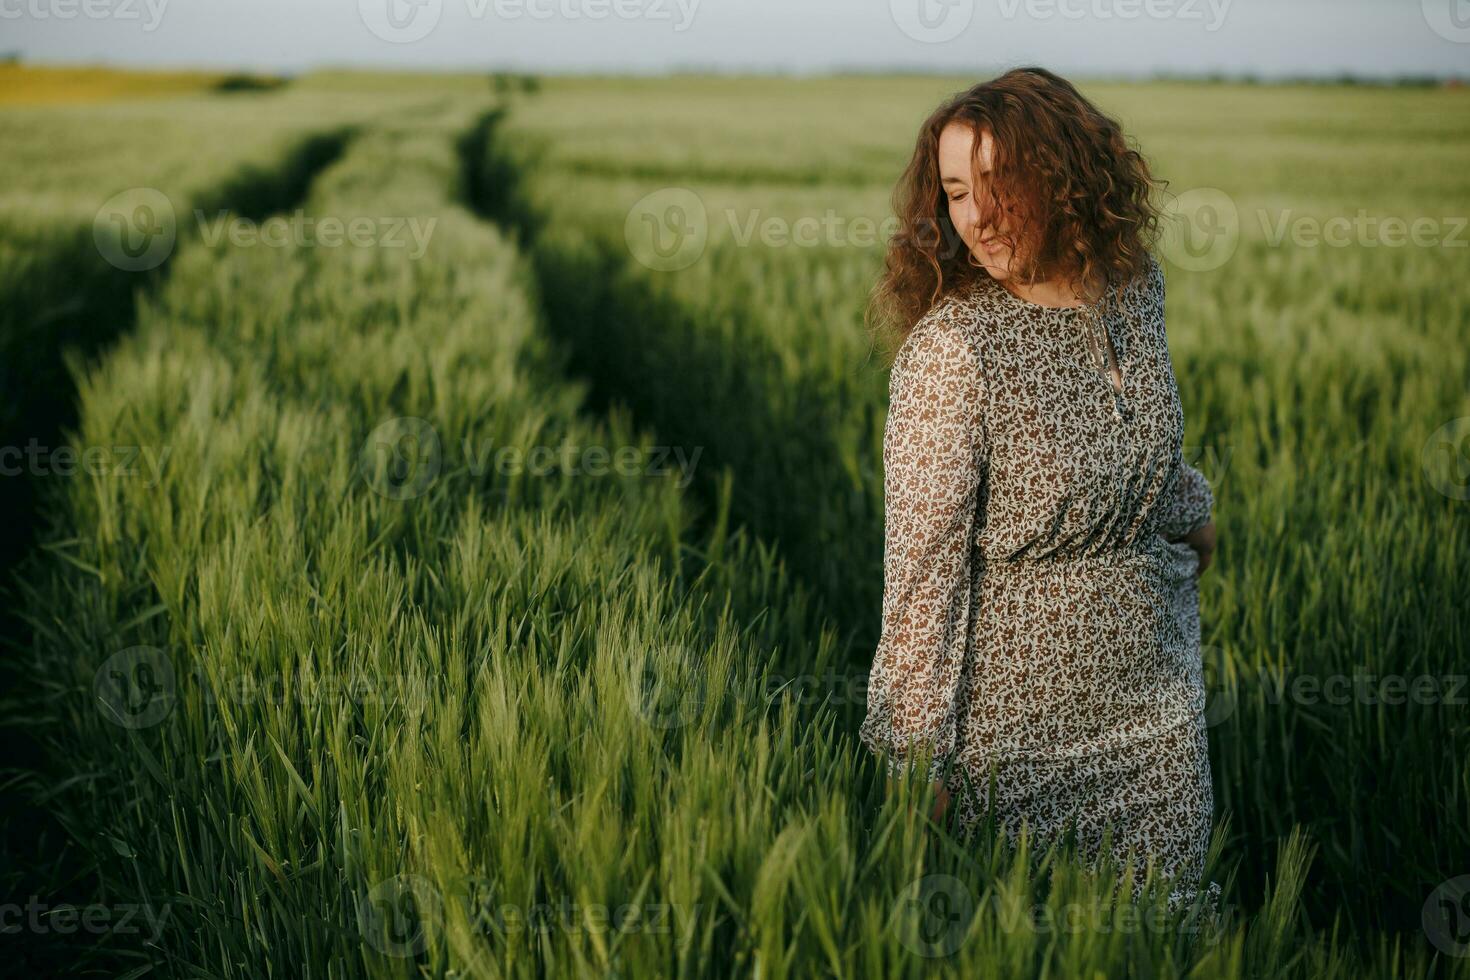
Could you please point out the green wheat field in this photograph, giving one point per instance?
(474, 570)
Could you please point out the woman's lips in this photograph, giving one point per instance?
(991, 244)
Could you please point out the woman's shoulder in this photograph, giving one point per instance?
(1144, 294)
(951, 322)
(943, 340)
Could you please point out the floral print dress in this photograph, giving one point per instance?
(1036, 619)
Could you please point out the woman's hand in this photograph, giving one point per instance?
(1202, 540)
(941, 800)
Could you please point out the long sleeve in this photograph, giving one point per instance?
(934, 450)
(1189, 504)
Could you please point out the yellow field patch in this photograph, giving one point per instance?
(42, 85)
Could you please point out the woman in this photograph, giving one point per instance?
(1043, 533)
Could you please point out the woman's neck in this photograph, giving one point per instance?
(1052, 292)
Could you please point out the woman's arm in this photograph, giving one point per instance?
(1189, 502)
(1186, 513)
(933, 448)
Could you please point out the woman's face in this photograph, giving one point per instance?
(956, 176)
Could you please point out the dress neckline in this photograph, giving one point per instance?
(1027, 304)
(1111, 334)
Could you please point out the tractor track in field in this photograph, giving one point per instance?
(38, 862)
(605, 318)
(40, 391)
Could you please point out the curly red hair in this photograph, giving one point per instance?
(1078, 196)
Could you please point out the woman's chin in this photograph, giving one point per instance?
(996, 265)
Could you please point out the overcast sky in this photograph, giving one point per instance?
(1269, 37)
